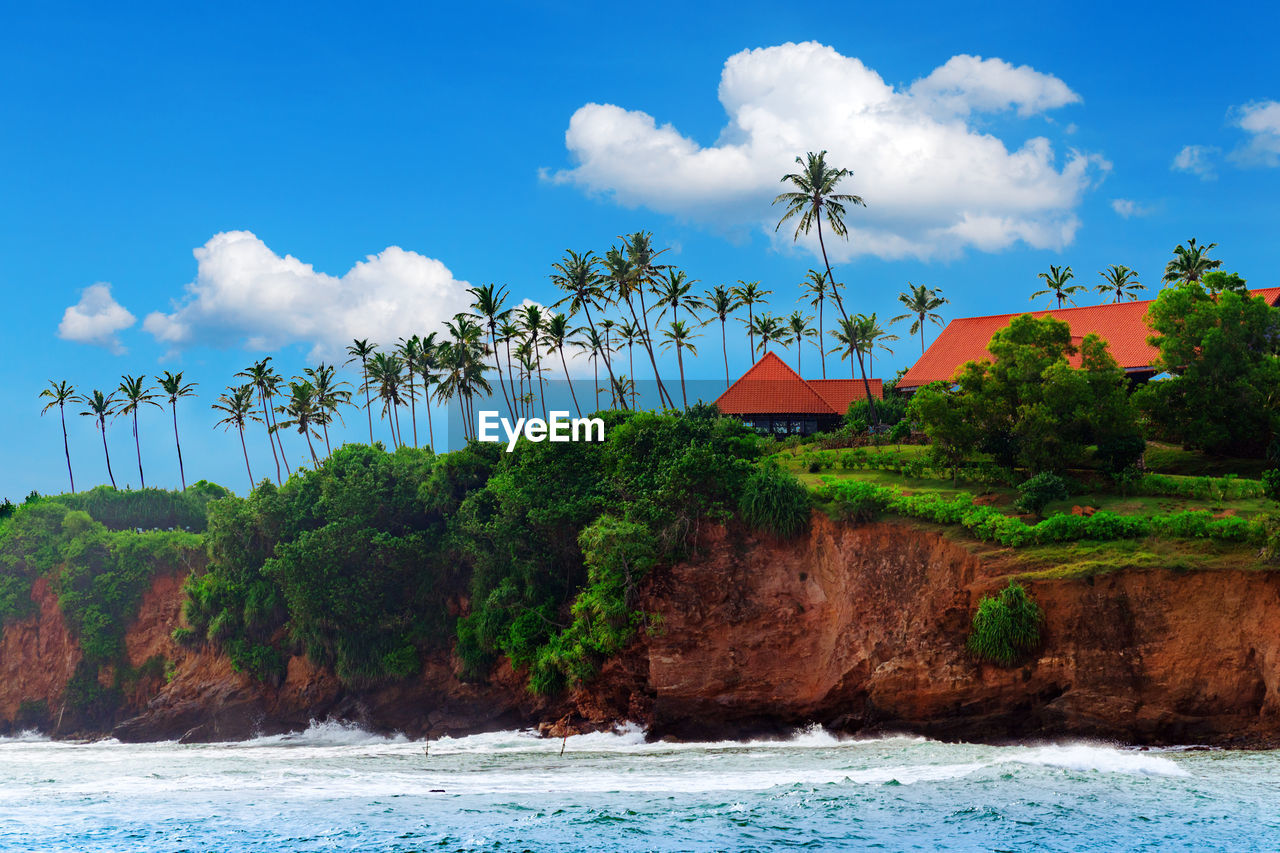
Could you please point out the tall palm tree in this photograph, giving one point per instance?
(330, 395)
(675, 291)
(1056, 279)
(407, 350)
(870, 338)
(722, 301)
(920, 302)
(558, 332)
(644, 271)
(361, 350)
(59, 394)
(386, 374)
(427, 364)
(463, 366)
(815, 287)
(590, 343)
(264, 378)
(136, 394)
(751, 294)
(237, 404)
(770, 330)
(171, 384)
(798, 329)
(487, 304)
(531, 323)
(813, 198)
(100, 407)
(856, 337)
(1190, 262)
(303, 412)
(508, 331)
(628, 333)
(607, 327)
(576, 275)
(679, 335)
(1121, 282)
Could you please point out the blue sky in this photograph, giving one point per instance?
(988, 145)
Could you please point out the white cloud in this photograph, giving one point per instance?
(933, 184)
(96, 319)
(244, 293)
(1261, 120)
(1197, 160)
(1128, 208)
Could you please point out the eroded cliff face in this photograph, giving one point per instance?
(859, 628)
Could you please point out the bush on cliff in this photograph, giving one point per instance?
(774, 500)
(1006, 627)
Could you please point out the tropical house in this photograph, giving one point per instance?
(1122, 325)
(773, 399)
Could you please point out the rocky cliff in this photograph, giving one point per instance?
(860, 628)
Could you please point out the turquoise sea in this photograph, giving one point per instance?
(335, 787)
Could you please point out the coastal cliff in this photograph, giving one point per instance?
(861, 628)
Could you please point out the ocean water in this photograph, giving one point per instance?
(335, 787)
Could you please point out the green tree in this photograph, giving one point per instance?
(815, 287)
(360, 350)
(59, 394)
(1190, 262)
(1121, 283)
(921, 303)
(722, 301)
(303, 412)
(264, 378)
(770, 330)
(1056, 280)
(100, 407)
(642, 272)
(949, 420)
(558, 332)
(236, 403)
(798, 329)
(136, 394)
(679, 335)
(487, 305)
(577, 275)
(174, 388)
(331, 396)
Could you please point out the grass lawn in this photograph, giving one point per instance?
(1171, 459)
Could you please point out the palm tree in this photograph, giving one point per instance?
(870, 338)
(330, 396)
(576, 274)
(386, 372)
(815, 287)
(59, 394)
(675, 291)
(362, 350)
(750, 294)
(488, 303)
(264, 378)
(1056, 279)
(814, 195)
(1121, 282)
(171, 385)
(558, 333)
(590, 343)
(680, 335)
(641, 257)
(722, 301)
(628, 333)
(798, 329)
(237, 404)
(856, 337)
(770, 329)
(303, 412)
(136, 394)
(606, 333)
(100, 408)
(427, 364)
(531, 323)
(407, 351)
(920, 302)
(462, 360)
(1190, 262)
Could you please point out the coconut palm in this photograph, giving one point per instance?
(331, 396)
(531, 323)
(751, 294)
(303, 412)
(798, 329)
(361, 350)
(1121, 282)
(171, 384)
(237, 404)
(100, 407)
(622, 388)
(463, 368)
(59, 394)
(628, 333)
(624, 284)
(487, 305)
(675, 291)
(1056, 279)
(1190, 262)
(814, 198)
(644, 271)
(857, 337)
(264, 378)
(920, 302)
(770, 329)
(557, 333)
(816, 288)
(722, 301)
(607, 330)
(407, 350)
(589, 342)
(386, 375)
(135, 394)
(871, 338)
(576, 275)
(508, 331)
(679, 335)
(427, 364)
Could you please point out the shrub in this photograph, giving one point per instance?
(1271, 483)
(773, 500)
(858, 501)
(1036, 493)
(1006, 627)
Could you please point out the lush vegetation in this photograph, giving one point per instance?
(1006, 626)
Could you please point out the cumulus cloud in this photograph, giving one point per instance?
(1197, 160)
(1261, 120)
(246, 294)
(932, 182)
(96, 319)
(1128, 208)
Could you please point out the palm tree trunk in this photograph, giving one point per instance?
(866, 386)
(413, 410)
(724, 348)
(751, 331)
(595, 373)
(822, 352)
(497, 362)
(275, 434)
(431, 431)
(368, 402)
(245, 449)
(315, 460)
(328, 449)
(586, 307)
(138, 445)
(631, 366)
(66, 448)
(542, 389)
(569, 379)
(922, 334)
(832, 279)
(511, 378)
(799, 342)
(181, 471)
(102, 425)
(648, 345)
(680, 361)
(266, 422)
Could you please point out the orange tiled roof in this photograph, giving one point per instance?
(1122, 325)
(772, 388)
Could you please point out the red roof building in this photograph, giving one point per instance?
(773, 398)
(1122, 325)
